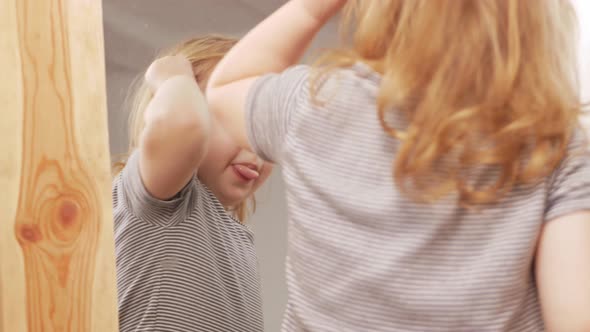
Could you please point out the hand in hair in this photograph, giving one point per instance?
(165, 68)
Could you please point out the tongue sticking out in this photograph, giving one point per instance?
(247, 173)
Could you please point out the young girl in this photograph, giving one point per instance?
(482, 223)
(185, 260)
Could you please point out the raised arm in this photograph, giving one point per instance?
(174, 140)
(274, 45)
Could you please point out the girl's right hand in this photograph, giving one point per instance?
(165, 68)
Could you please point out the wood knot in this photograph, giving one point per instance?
(66, 219)
(68, 212)
(30, 233)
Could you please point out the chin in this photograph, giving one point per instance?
(235, 196)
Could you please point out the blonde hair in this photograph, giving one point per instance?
(482, 82)
(204, 53)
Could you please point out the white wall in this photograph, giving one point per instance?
(583, 10)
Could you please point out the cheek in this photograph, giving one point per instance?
(212, 166)
(219, 154)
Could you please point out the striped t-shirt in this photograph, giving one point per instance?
(182, 265)
(364, 257)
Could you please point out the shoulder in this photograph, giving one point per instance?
(344, 86)
(130, 197)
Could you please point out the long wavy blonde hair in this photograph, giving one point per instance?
(483, 82)
(204, 53)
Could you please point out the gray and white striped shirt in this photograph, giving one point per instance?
(182, 265)
(364, 257)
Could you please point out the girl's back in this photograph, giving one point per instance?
(365, 256)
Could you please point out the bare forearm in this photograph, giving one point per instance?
(275, 44)
(175, 136)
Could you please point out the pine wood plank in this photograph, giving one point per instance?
(56, 239)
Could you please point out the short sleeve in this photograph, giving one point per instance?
(148, 208)
(569, 189)
(271, 103)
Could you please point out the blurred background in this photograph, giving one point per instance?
(135, 30)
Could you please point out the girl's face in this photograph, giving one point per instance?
(230, 172)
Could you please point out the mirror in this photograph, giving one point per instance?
(135, 32)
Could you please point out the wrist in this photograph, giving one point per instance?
(322, 10)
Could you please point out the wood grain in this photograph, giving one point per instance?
(56, 244)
